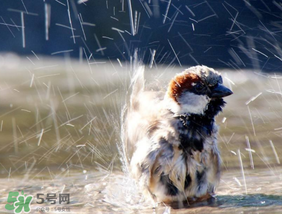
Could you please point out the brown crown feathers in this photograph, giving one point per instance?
(180, 83)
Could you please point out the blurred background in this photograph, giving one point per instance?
(229, 34)
(65, 68)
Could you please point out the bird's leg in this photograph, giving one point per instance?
(194, 200)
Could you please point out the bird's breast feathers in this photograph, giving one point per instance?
(175, 168)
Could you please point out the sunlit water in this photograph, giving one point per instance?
(60, 133)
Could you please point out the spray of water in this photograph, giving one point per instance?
(60, 119)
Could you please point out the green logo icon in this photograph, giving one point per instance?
(19, 202)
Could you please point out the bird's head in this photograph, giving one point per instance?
(193, 90)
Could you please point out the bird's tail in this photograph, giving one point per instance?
(136, 87)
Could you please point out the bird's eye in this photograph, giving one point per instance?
(200, 87)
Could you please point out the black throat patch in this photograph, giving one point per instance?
(194, 128)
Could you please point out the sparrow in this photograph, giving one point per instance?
(172, 136)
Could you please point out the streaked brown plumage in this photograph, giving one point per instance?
(173, 136)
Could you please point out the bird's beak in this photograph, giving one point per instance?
(220, 91)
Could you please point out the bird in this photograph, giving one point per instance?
(171, 136)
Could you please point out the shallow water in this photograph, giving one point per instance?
(60, 133)
(112, 192)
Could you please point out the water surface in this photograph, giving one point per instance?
(60, 133)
